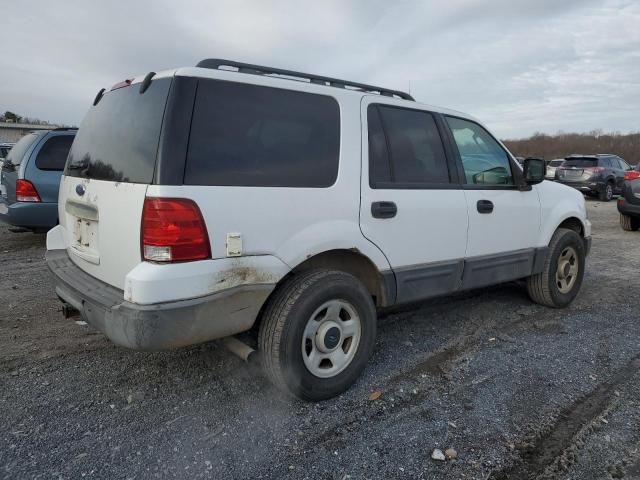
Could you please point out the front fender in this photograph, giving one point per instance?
(559, 203)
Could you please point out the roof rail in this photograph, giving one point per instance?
(64, 128)
(216, 63)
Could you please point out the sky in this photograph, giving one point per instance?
(519, 66)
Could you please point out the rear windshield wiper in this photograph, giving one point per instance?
(77, 166)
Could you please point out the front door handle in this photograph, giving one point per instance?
(383, 209)
(485, 206)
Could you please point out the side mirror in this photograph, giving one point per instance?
(534, 170)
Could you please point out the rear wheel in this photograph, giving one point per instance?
(317, 334)
(630, 224)
(560, 280)
(606, 194)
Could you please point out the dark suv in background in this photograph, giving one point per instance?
(629, 201)
(601, 174)
(30, 179)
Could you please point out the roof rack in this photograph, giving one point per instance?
(216, 63)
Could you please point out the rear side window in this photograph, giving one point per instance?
(405, 148)
(53, 154)
(118, 138)
(607, 162)
(484, 161)
(255, 136)
(581, 162)
(20, 148)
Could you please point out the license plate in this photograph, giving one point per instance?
(85, 234)
(572, 173)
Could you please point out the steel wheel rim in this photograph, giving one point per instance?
(567, 270)
(334, 322)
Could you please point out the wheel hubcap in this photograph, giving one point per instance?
(331, 338)
(567, 270)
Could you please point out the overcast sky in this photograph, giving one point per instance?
(520, 66)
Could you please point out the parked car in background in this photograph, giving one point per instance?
(30, 179)
(4, 150)
(203, 202)
(552, 165)
(599, 175)
(629, 201)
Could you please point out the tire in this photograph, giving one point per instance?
(606, 194)
(545, 288)
(295, 310)
(630, 224)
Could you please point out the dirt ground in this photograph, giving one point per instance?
(518, 390)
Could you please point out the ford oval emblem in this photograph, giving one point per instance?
(80, 189)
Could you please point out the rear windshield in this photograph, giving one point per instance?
(249, 135)
(581, 162)
(19, 149)
(118, 138)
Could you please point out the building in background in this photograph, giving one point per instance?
(12, 132)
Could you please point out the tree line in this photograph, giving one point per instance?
(562, 144)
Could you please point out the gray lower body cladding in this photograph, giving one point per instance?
(158, 326)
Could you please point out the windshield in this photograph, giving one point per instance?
(118, 138)
(19, 149)
(556, 163)
(581, 162)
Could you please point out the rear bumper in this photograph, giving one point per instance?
(627, 208)
(29, 215)
(586, 187)
(158, 326)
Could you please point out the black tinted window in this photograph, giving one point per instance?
(118, 138)
(248, 135)
(20, 148)
(581, 162)
(409, 152)
(53, 154)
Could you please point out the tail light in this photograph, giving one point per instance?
(173, 230)
(26, 192)
(631, 175)
(594, 169)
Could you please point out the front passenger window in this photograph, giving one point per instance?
(485, 162)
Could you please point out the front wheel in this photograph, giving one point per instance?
(317, 334)
(561, 278)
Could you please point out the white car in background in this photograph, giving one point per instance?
(203, 202)
(552, 166)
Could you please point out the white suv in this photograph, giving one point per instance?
(202, 202)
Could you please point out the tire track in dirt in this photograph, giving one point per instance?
(547, 448)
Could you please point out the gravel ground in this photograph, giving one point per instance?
(518, 390)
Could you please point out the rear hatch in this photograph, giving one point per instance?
(110, 165)
(577, 169)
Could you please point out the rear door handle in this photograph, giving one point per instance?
(485, 206)
(383, 209)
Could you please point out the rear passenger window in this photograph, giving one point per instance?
(248, 135)
(53, 154)
(405, 149)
